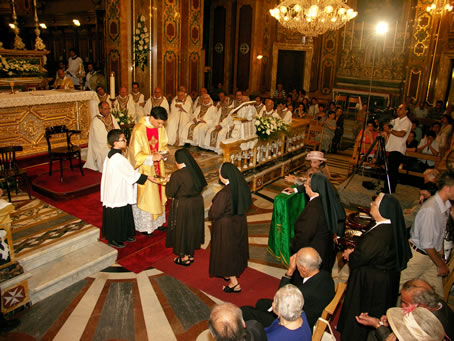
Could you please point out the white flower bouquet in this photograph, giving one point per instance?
(13, 67)
(141, 40)
(122, 116)
(269, 127)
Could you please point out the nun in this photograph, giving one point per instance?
(322, 219)
(375, 265)
(229, 235)
(186, 231)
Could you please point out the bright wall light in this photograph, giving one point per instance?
(259, 56)
(76, 22)
(12, 26)
(43, 26)
(382, 28)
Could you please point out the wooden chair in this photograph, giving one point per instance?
(10, 170)
(67, 152)
(341, 100)
(313, 137)
(329, 311)
(448, 281)
(353, 104)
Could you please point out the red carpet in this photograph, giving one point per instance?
(254, 284)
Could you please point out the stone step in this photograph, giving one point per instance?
(57, 250)
(60, 273)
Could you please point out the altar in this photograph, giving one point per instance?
(24, 117)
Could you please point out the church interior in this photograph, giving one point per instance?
(328, 74)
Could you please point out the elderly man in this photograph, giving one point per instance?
(199, 100)
(417, 293)
(62, 81)
(219, 133)
(426, 237)
(139, 101)
(316, 285)
(180, 116)
(124, 102)
(268, 109)
(203, 119)
(226, 323)
(157, 100)
(237, 100)
(98, 149)
(258, 104)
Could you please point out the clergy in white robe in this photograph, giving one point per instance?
(75, 65)
(180, 116)
(258, 104)
(124, 101)
(218, 133)
(284, 114)
(268, 110)
(139, 101)
(204, 118)
(63, 81)
(157, 100)
(118, 193)
(90, 73)
(98, 149)
(199, 100)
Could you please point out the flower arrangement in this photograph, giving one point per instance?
(122, 116)
(269, 127)
(141, 40)
(13, 67)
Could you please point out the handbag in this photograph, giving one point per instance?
(327, 336)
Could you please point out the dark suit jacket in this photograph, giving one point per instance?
(317, 291)
(255, 331)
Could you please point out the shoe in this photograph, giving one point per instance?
(118, 245)
(7, 325)
(191, 259)
(131, 239)
(179, 261)
(231, 290)
(162, 228)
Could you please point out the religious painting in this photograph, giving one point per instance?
(6, 248)
(379, 10)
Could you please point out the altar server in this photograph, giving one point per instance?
(75, 67)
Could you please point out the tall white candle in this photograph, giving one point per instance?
(112, 85)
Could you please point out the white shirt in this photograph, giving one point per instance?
(395, 143)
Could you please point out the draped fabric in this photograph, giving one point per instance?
(334, 212)
(390, 209)
(183, 156)
(241, 193)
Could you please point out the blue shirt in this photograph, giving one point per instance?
(276, 332)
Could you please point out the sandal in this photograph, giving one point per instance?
(191, 258)
(179, 261)
(231, 290)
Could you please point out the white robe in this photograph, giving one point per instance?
(118, 182)
(138, 108)
(178, 120)
(226, 124)
(97, 144)
(149, 105)
(87, 80)
(131, 106)
(198, 102)
(73, 69)
(200, 131)
(287, 117)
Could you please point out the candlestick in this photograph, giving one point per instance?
(112, 85)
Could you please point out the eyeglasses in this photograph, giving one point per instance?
(122, 140)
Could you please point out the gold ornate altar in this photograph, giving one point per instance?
(24, 117)
(270, 159)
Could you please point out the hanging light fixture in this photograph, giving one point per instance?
(313, 17)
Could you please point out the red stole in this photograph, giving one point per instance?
(153, 140)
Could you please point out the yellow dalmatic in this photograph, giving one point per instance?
(146, 140)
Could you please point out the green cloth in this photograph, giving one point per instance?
(287, 209)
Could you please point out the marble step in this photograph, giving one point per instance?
(55, 251)
(60, 273)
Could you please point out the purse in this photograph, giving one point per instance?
(327, 336)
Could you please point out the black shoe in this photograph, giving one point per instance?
(118, 245)
(131, 239)
(162, 228)
(7, 325)
(146, 234)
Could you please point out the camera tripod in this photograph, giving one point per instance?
(381, 155)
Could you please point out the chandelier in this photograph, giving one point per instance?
(313, 17)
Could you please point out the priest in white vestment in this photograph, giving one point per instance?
(75, 66)
(268, 109)
(284, 114)
(180, 116)
(139, 101)
(199, 100)
(218, 133)
(124, 101)
(157, 100)
(204, 118)
(100, 126)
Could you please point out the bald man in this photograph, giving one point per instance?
(203, 119)
(226, 323)
(157, 100)
(199, 100)
(304, 272)
(124, 101)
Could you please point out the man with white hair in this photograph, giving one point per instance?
(157, 100)
(203, 118)
(219, 133)
(180, 115)
(199, 100)
(226, 323)
(139, 101)
(316, 285)
(124, 102)
(268, 109)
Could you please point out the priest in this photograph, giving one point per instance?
(75, 66)
(218, 134)
(146, 149)
(204, 118)
(180, 116)
(100, 126)
(124, 102)
(157, 100)
(63, 81)
(139, 101)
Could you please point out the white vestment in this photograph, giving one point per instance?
(97, 144)
(73, 69)
(150, 104)
(178, 119)
(87, 80)
(130, 106)
(138, 108)
(287, 117)
(197, 138)
(198, 102)
(226, 124)
(118, 182)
